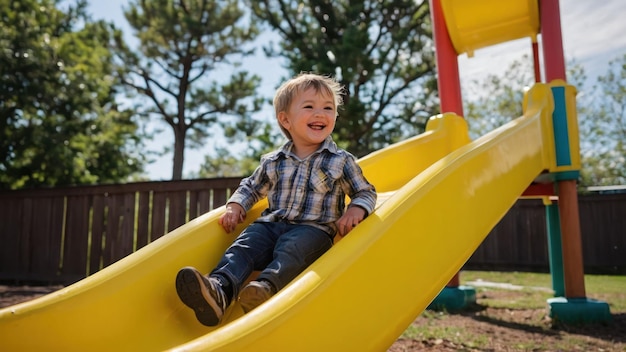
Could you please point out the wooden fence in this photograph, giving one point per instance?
(62, 235)
(65, 234)
(520, 240)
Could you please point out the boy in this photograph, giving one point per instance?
(305, 181)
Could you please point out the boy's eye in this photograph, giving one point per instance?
(309, 106)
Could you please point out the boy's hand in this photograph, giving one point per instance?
(234, 215)
(352, 217)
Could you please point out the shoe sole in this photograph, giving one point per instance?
(194, 294)
(251, 297)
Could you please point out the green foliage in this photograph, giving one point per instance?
(381, 51)
(603, 129)
(496, 100)
(59, 121)
(259, 137)
(601, 112)
(183, 46)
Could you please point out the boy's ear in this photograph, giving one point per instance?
(283, 119)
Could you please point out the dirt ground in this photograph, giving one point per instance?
(10, 295)
(499, 329)
(502, 329)
(507, 330)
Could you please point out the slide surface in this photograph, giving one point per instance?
(440, 195)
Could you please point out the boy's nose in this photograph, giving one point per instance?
(319, 112)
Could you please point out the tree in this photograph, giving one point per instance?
(184, 48)
(600, 109)
(496, 100)
(604, 129)
(381, 51)
(259, 138)
(59, 120)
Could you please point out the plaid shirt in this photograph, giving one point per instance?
(310, 191)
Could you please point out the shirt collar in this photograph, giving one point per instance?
(286, 149)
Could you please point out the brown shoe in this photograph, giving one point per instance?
(255, 293)
(202, 294)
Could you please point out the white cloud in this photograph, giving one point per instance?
(592, 35)
(593, 30)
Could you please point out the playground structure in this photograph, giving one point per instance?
(464, 26)
(365, 291)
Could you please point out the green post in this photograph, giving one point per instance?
(555, 251)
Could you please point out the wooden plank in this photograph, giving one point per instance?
(532, 217)
(127, 226)
(42, 259)
(159, 204)
(76, 238)
(55, 232)
(114, 243)
(98, 213)
(24, 236)
(603, 225)
(194, 206)
(143, 218)
(220, 196)
(109, 230)
(11, 214)
(204, 201)
(177, 209)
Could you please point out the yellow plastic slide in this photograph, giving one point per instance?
(440, 196)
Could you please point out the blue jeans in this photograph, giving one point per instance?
(281, 251)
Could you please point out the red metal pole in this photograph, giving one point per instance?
(536, 63)
(447, 63)
(552, 40)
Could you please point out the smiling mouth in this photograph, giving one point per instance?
(317, 126)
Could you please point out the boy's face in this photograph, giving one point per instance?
(310, 118)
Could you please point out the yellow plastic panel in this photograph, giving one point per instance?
(475, 24)
(444, 133)
(372, 283)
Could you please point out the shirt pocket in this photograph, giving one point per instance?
(324, 180)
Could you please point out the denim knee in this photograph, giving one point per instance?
(295, 250)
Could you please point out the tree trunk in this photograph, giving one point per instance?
(179, 153)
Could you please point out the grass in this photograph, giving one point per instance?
(536, 289)
(607, 288)
(611, 289)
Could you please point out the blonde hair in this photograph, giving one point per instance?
(288, 90)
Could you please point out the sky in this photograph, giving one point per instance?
(592, 34)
